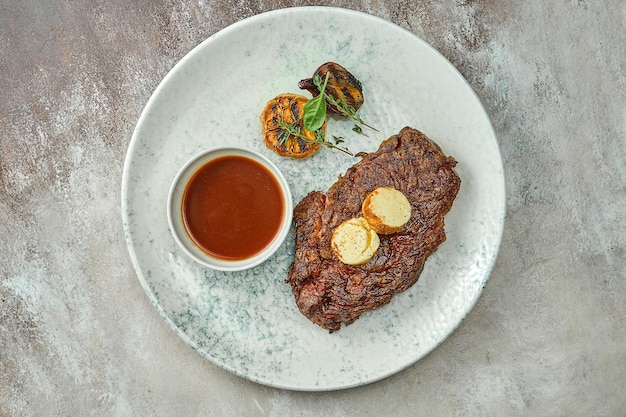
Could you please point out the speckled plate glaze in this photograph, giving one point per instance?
(247, 322)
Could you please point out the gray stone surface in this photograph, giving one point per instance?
(78, 336)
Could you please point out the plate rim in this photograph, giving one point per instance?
(497, 242)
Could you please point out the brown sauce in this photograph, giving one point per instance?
(232, 207)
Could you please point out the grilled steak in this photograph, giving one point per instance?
(329, 292)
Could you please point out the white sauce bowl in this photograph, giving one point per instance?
(175, 215)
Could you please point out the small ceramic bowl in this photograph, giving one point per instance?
(179, 225)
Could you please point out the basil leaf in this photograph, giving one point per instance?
(314, 113)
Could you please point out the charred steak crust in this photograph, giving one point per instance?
(329, 292)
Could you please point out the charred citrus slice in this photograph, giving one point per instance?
(288, 108)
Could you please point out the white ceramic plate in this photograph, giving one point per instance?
(247, 322)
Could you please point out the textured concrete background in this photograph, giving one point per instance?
(78, 335)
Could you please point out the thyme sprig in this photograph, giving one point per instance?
(340, 104)
(294, 129)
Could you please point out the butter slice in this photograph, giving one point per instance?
(354, 241)
(386, 210)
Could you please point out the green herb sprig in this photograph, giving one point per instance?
(314, 117)
(314, 112)
(340, 104)
(295, 130)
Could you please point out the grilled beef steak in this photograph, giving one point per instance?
(329, 292)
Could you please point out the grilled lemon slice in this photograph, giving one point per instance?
(287, 108)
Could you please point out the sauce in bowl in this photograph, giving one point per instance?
(232, 207)
(229, 208)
